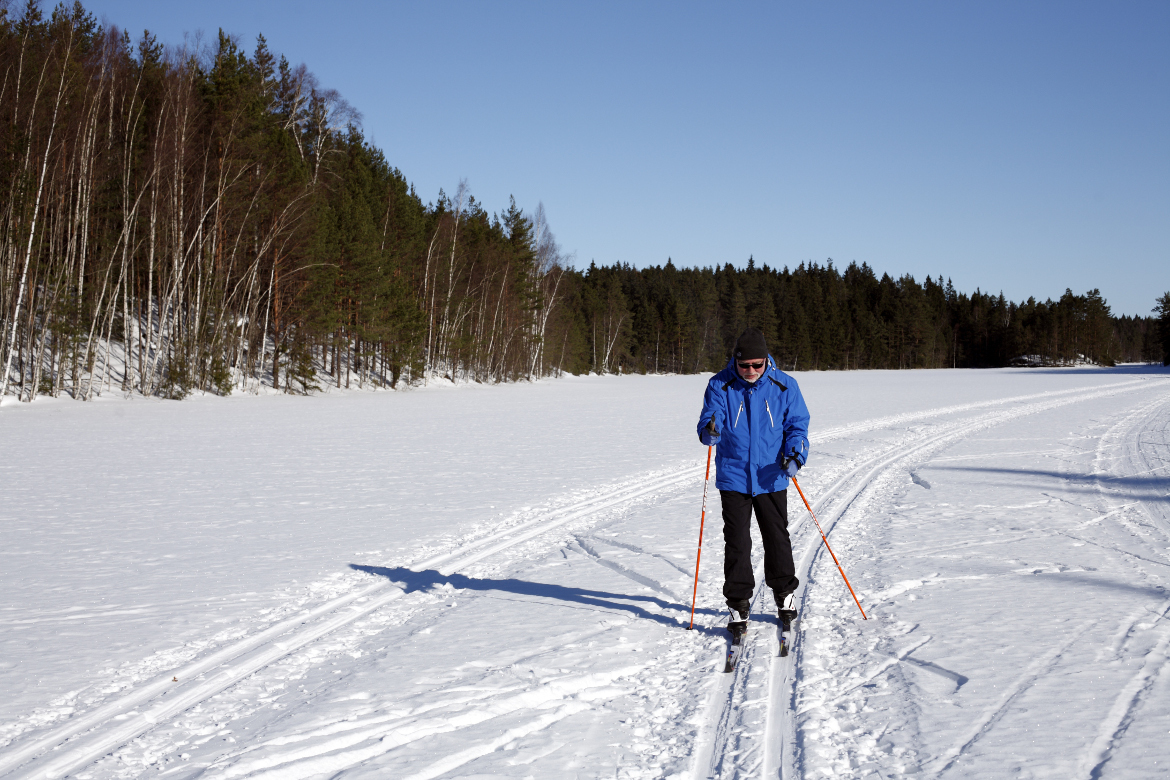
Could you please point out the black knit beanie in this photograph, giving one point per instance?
(751, 346)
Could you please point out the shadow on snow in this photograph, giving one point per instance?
(412, 581)
(1138, 487)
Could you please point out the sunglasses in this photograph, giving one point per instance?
(756, 366)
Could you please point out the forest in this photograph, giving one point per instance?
(180, 219)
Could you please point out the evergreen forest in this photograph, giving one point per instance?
(178, 220)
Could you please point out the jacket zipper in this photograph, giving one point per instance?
(737, 414)
(769, 408)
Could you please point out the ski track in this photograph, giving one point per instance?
(459, 759)
(272, 645)
(991, 716)
(870, 676)
(723, 748)
(870, 483)
(640, 551)
(1141, 517)
(718, 751)
(1119, 435)
(346, 750)
(583, 547)
(1113, 727)
(1135, 459)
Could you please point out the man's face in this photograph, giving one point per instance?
(750, 370)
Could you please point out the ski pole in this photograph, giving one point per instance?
(830, 549)
(702, 520)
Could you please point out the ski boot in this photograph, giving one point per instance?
(786, 609)
(737, 626)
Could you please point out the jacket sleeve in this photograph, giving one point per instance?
(796, 420)
(714, 407)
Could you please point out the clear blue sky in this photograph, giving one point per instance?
(1014, 146)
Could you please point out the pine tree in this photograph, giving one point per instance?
(1163, 312)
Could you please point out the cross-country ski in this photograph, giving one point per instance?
(786, 617)
(737, 627)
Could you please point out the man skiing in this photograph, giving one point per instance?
(756, 417)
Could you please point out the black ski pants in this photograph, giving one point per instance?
(772, 516)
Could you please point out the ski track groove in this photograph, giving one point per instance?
(92, 741)
(582, 547)
(871, 675)
(991, 715)
(709, 758)
(1120, 715)
(457, 760)
(348, 750)
(183, 695)
(636, 549)
(1121, 437)
(1114, 726)
(712, 753)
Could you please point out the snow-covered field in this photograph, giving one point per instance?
(494, 582)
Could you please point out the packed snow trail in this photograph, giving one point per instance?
(1045, 661)
(552, 643)
(187, 686)
(277, 642)
(736, 748)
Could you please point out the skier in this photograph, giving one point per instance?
(756, 417)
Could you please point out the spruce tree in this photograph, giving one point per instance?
(1163, 312)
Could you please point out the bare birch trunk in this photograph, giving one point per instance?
(33, 227)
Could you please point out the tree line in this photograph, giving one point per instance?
(199, 218)
(820, 317)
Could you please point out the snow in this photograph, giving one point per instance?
(496, 582)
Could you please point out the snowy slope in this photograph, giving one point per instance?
(495, 582)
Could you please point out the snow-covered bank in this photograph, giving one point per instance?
(143, 537)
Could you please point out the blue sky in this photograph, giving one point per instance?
(1014, 146)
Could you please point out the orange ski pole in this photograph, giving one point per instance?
(702, 520)
(830, 549)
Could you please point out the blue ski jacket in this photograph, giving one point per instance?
(758, 424)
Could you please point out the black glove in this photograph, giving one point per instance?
(790, 466)
(710, 434)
